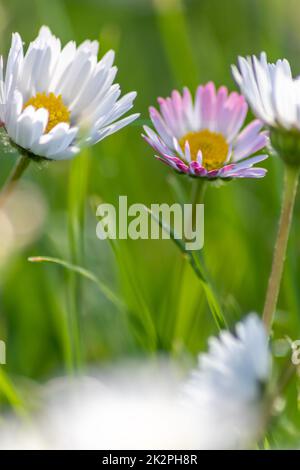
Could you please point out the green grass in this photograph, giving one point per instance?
(144, 296)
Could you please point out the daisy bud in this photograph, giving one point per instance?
(287, 145)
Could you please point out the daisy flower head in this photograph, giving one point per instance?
(229, 388)
(203, 138)
(274, 96)
(55, 100)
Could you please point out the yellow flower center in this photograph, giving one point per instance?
(213, 146)
(58, 112)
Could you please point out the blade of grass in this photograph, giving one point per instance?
(176, 41)
(103, 288)
(8, 390)
(135, 296)
(195, 261)
(137, 310)
(77, 191)
(78, 182)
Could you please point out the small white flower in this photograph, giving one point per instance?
(228, 389)
(270, 89)
(55, 100)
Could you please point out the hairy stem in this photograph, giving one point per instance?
(289, 194)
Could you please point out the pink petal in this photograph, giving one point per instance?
(208, 106)
(249, 141)
(160, 125)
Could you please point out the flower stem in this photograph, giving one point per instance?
(199, 191)
(289, 194)
(13, 178)
(198, 194)
(288, 373)
(196, 261)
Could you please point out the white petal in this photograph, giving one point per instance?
(284, 97)
(13, 111)
(114, 127)
(40, 123)
(93, 92)
(104, 108)
(56, 141)
(13, 66)
(63, 64)
(118, 109)
(89, 46)
(25, 125)
(67, 154)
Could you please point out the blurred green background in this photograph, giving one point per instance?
(160, 45)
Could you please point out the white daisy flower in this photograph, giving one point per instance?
(274, 96)
(228, 390)
(270, 89)
(55, 100)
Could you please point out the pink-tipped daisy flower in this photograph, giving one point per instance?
(204, 138)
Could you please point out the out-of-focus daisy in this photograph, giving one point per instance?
(55, 100)
(204, 138)
(274, 96)
(15, 231)
(128, 408)
(228, 390)
(142, 406)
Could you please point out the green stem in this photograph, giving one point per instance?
(289, 194)
(197, 263)
(13, 178)
(288, 373)
(212, 299)
(199, 190)
(198, 194)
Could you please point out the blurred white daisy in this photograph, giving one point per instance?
(132, 407)
(15, 230)
(228, 391)
(138, 406)
(55, 100)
